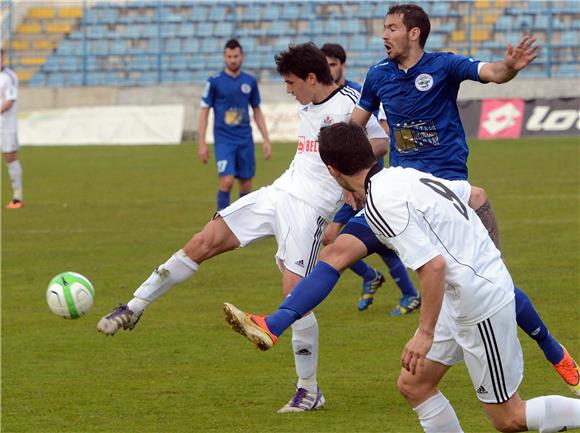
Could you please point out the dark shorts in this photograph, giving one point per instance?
(235, 160)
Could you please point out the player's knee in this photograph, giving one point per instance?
(412, 390)
(477, 197)
(328, 238)
(226, 183)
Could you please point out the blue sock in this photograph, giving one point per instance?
(362, 269)
(307, 294)
(223, 199)
(399, 273)
(529, 320)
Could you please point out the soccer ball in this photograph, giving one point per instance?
(70, 295)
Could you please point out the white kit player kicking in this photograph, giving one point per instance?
(468, 310)
(295, 209)
(9, 130)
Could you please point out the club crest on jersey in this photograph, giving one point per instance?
(327, 121)
(423, 82)
(245, 88)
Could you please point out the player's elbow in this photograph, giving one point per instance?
(477, 197)
(379, 146)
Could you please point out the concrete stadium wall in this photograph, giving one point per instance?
(44, 98)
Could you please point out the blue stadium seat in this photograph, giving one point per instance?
(199, 13)
(38, 80)
(271, 13)
(186, 30)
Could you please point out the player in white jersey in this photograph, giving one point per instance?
(294, 209)
(468, 310)
(9, 130)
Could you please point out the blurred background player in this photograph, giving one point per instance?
(418, 91)
(372, 278)
(9, 130)
(229, 93)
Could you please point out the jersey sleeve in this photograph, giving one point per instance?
(462, 68)
(209, 94)
(369, 100)
(255, 99)
(395, 224)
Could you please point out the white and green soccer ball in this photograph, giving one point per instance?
(70, 295)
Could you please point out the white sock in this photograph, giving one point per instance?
(436, 415)
(174, 271)
(552, 413)
(15, 174)
(305, 346)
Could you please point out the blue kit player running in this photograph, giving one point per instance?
(418, 91)
(357, 227)
(229, 93)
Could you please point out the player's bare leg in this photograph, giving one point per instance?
(214, 239)
(245, 186)
(420, 390)
(545, 414)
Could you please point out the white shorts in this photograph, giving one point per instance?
(9, 141)
(491, 351)
(270, 211)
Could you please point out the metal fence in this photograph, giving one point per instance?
(141, 42)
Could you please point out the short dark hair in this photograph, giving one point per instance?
(334, 50)
(232, 44)
(302, 60)
(413, 16)
(346, 148)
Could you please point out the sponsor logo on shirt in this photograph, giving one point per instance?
(245, 88)
(307, 146)
(423, 82)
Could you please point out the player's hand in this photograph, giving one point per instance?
(415, 352)
(267, 150)
(519, 56)
(352, 200)
(203, 153)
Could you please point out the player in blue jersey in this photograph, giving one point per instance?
(229, 93)
(418, 91)
(372, 279)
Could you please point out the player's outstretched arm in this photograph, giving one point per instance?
(515, 59)
(360, 117)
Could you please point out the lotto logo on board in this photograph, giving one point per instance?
(501, 118)
(305, 145)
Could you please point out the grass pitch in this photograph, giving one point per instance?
(115, 213)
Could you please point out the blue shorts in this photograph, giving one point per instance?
(235, 160)
(358, 227)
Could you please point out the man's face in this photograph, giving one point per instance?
(336, 69)
(233, 59)
(396, 37)
(302, 90)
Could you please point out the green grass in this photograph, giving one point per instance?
(114, 213)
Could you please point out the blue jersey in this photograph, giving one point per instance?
(229, 97)
(421, 107)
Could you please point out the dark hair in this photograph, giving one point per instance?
(345, 147)
(413, 16)
(334, 50)
(302, 60)
(232, 44)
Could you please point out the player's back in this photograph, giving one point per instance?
(426, 216)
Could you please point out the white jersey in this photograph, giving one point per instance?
(421, 217)
(8, 92)
(308, 178)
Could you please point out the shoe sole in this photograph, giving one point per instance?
(237, 321)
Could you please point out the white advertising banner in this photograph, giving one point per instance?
(156, 124)
(281, 120)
